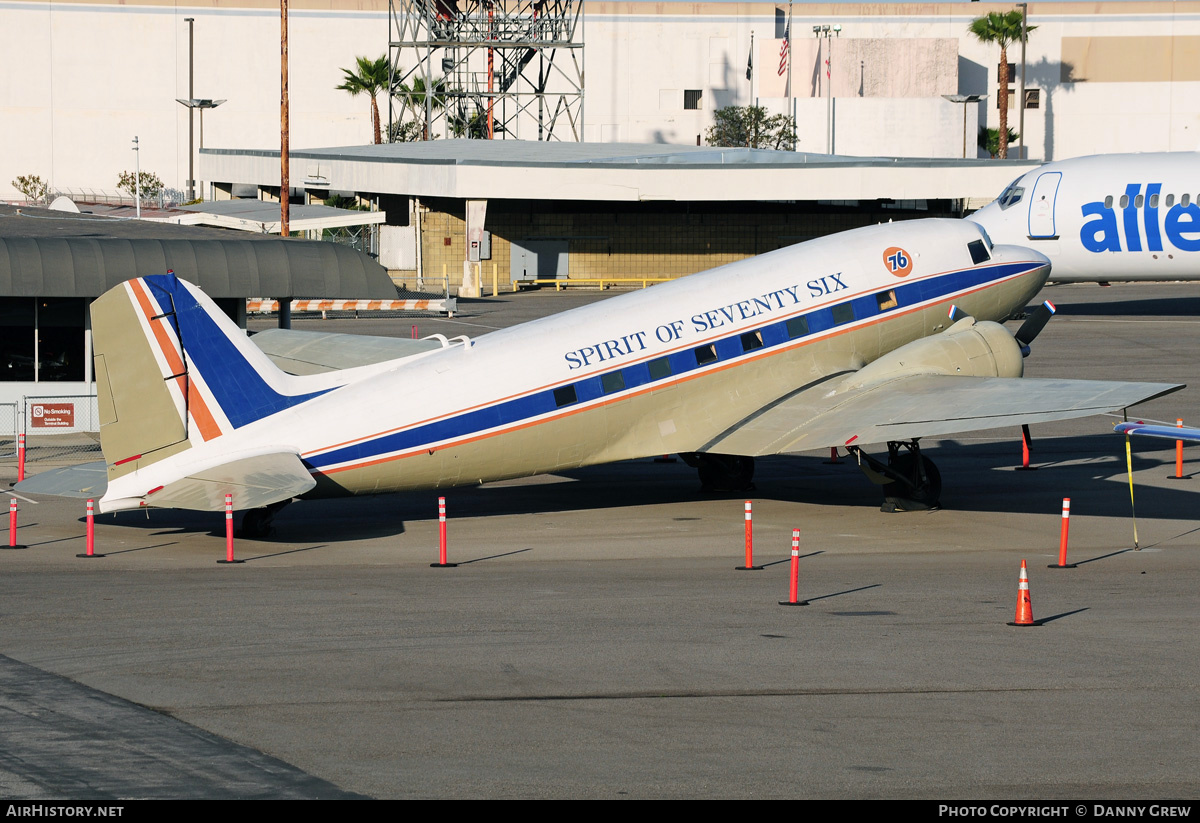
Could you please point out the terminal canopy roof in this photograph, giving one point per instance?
(89, 266)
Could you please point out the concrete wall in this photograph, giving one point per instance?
(84, 77)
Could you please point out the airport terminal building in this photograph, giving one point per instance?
(86, 77)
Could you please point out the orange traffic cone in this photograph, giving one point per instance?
(1024, 616)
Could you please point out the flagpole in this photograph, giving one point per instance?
(791, 97)
(750, 70)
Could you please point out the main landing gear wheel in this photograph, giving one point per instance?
(722, 472)
(910, 481)
(923, 489)
(257, 523)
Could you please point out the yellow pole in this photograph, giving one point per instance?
(1129, 463)
(495, 289)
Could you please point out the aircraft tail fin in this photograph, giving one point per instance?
(173, 371)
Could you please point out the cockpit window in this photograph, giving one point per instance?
(1011, 195)
(979, 252)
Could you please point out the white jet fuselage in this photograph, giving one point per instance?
(1107, 217)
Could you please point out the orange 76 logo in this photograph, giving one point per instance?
(898, 261)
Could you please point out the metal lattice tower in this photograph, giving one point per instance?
(493, 68)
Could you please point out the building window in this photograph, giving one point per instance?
(691, 99)
(60, 338)
(1033, 98)
(16, 338)
(41, 338)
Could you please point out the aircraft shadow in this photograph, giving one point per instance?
(976, 477)
(1183, 306)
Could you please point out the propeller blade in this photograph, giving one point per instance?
(1034, 324)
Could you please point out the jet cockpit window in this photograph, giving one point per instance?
(979, 252)
(1011, 195)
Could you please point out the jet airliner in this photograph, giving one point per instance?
(1106, 217)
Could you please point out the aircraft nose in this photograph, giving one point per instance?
(1031, 267)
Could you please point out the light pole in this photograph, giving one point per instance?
(828, 31)
(1021, 92)
(191, 115)
(192, 104)
(137, 175)
(964, 99)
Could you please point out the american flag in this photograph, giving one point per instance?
(783, 51)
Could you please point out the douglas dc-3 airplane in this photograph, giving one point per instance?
(885, 334)
(1106, 218)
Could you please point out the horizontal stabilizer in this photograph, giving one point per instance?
(310, 352)
(254, 481)
(923, 405)
(1166, 432)
(88, 480)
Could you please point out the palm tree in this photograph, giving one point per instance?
(413, 98)
(995, 27)
(370, 77)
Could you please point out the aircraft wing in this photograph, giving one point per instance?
(922, 405)
(1166, 432)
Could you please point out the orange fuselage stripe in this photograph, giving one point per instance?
(197, 407)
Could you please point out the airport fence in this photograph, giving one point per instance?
(8, 432)
(61, 430)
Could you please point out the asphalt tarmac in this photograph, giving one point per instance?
(596, 641)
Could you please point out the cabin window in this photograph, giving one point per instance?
(706, 354)
(1137, 202)
(611, 382)
(751, 340)
(1183, 201)
(1108, 201)
(887, 299)
(660, 368)
(979, 252)
(797, 327)
(843, 313)
(1154, 201)
(1124, 202)
(1170, 200)
(564, 396)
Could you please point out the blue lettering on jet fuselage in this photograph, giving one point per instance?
(1180, 224)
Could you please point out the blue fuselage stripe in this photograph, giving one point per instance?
(237, 387)
(636, 375)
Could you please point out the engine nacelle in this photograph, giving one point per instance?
(969, 348)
